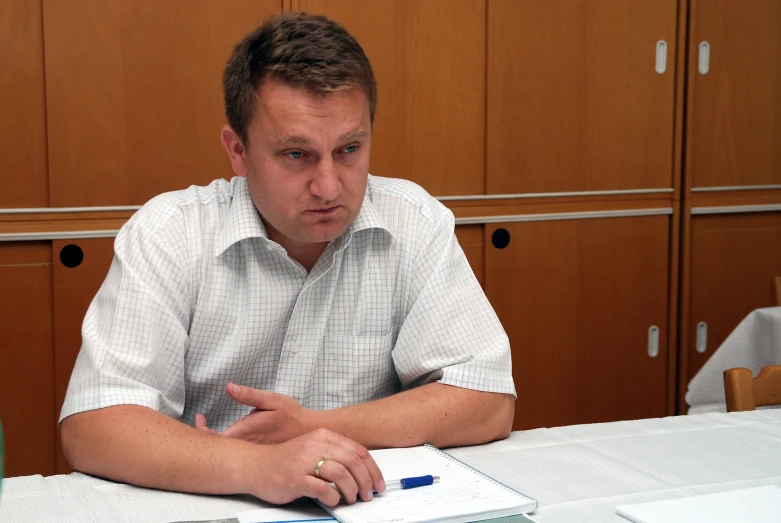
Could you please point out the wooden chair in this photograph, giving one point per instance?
(776, 288)
(744, 392)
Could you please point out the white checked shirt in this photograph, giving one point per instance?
(198, 296)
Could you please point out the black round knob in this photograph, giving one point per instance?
(500, 238)
(71, 256)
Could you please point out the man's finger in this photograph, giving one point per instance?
(320, 489)
(200, 424)
(260, 399)
(356, 460)
(375, 479)
(342, 477)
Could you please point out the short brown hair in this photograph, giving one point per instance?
(301, 50)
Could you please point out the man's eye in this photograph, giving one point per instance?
(295, 155)
(351, 148)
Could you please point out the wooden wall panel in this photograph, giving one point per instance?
(429, 61)
(733, 260)
(735, 109)
(26, 385)
(577, 298)
(74, 289)
(574, 102)
(22, 106)
(135, 96)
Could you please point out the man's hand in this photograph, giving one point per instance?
(290, 470)
(276, 418)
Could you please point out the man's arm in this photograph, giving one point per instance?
(442, 415)
(143, 447)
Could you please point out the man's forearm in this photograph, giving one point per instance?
(137, 445)
(442, 415)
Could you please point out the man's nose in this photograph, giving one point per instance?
(325, 184)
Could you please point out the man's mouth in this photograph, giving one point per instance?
(326, 211)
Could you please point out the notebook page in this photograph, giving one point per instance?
(458, 492)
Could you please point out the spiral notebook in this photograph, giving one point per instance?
(462, 494)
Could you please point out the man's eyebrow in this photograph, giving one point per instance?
(284, 139)
(293, 139)
(360, 132)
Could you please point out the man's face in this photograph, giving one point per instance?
(307, 162)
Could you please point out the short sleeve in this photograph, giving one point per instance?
(134, 336)
(450, 334)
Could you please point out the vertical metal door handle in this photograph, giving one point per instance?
(703, 62)
(661, 56)
(653, 341)
(702, 337)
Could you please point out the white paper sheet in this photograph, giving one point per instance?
(755, 505)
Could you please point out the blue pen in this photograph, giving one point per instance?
(407, 483)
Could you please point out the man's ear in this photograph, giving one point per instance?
(237, 153)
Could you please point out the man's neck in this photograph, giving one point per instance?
(306, 254)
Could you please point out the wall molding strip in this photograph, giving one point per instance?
(60, 235)
(524, 196)
(49, 210)
(737, 188)
(735, 209)
(563, 216)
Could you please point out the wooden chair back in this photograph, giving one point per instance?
(744, 392)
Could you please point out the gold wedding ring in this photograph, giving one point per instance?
(317, 467)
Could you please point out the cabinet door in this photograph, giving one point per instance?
(26, 358)
(734, 123)
(429, 60)
(734, 258)
(134, 94)
(22, 106)
(80, 266)
(577, 299)
(574, 100)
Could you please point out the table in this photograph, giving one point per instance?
(755, 343)
(577, 473)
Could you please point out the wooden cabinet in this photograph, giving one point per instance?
(734, 114)
(733, 260)
(429, 60)
(577, 299)
(732, 247)
(574, 100)
(27, 406)
(22, 106)
(134, 94)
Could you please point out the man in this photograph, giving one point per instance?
(256, 336)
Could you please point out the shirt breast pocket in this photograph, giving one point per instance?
(358, 369)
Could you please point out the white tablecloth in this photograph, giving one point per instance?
(755, 343)
(577, 473)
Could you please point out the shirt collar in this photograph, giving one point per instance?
(368, 217)
(243, 220)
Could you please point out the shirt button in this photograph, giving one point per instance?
(294, 349)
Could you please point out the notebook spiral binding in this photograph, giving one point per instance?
(477, 472)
